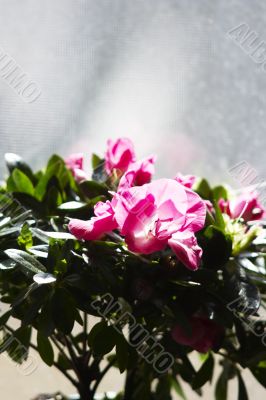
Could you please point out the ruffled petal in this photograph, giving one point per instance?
(186, 248)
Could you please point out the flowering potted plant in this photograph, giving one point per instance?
(163, 268)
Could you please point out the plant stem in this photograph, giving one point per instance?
(61, 350)
(101, 376)
(85, 332)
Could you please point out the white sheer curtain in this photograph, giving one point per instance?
(162, 72)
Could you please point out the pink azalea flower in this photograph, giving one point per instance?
(151, 217)
(186, 180)
(138, 173)
(75, 164)
(97, 226)
(246, 206)
(205, 335)
(210, 207)
(119, 155)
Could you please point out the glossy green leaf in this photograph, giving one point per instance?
(72, 206)
(25, 260)
(22, 183)
(45, 349)
(7, 264)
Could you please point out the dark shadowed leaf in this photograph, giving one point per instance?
(93, 189)
(45, 349)
(217, 247)
(14, 161)
(221, 386)
(204, 374)
(242, 391)
(64, 310)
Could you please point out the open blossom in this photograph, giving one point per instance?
(119, 155)
(186, 180)
(246, 206)
(138, 173)
(94, 228)
(75, 164)
(151, 217)
(205, 334)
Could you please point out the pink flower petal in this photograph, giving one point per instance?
(119, 155)
(186, 180)
(186, 248)
(97, 226)
(137, 174)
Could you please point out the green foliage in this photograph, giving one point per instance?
(45, 349)
(50, 281)
(204, 374)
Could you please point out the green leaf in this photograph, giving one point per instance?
(22, 182)
(72, 206)
(242, 391)
(26, 260)
(10, 184)
(122, 352)
(99, 173)
(259, 373)
(4, 222)
(163, 388)
(178, 388)
(44, 278)
(55, 169)
(13, 161)
(221, 386)
(9, 231)
(95, 161)
(52, 198)
(46, 236)
(95, 330)
(204, 374)
(203, 189)
(219, 192)
(219, 219)
(217, 247)
(105, 340)
(45, 349)
(45, 322)
(93, 189)
(64, 310)
(26, 201)
(40, 250)
(7, 264)
(25, 238)
(5, 317)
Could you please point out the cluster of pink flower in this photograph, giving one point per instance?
(153, 215)
(149, 215)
